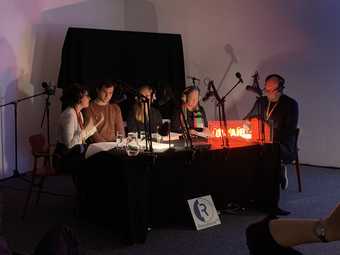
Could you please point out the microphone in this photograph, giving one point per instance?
(238, 76)
(164, 129)
(49, 88)
(193, 78)
(254, 89)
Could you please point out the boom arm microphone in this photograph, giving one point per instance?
(49, 88)
(238, 75)
(255, 87)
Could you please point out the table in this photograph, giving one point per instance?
(132, 192)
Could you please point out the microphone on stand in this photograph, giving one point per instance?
(255, 88)
(238, 76)
(164, 129)
(49, 88)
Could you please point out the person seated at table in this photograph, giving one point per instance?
(283, 112)
(113, 121)
(191, 113)
(277, 236)
(72, 130)
(136, 118)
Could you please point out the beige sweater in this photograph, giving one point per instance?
(113, 121)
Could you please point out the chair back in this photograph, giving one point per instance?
(297, 132)
(37, 143)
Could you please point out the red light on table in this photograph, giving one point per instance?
(240, 132)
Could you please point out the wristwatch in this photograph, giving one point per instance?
(320, 231)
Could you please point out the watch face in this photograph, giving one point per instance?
(320, 232)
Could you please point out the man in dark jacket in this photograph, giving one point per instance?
(282, 112)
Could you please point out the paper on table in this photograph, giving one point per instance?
(173, 136)
(95, 148)
(161, 147)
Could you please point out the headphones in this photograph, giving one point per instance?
(148, 87)
(280, 79)
(188, 90)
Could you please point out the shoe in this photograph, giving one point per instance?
(284, 177)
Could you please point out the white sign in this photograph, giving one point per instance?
(204, 212)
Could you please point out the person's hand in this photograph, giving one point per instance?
(332, 224)
(205, 133)
(193, 132)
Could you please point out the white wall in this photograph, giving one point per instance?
(31, 38)
(297, 39)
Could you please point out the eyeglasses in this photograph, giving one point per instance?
(271, 91)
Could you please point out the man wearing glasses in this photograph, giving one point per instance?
(282, 111)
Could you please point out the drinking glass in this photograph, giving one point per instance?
(132, 147)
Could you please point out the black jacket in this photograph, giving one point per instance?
(284, 119)
(134, 125)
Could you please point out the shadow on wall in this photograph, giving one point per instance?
(312, 73)
(10, 92)
(100, 14)
(230, 108)
(140, 16)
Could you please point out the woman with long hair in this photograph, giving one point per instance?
(136, 120)
(72, 131)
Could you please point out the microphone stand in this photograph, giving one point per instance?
(16, 172)
(194, 79)
(260, 107)
(186, 132)
(47, 114)
(149, 131)
(147, 115)
(222, 108)
(221, 115)
(262, 120)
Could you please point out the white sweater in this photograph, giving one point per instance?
(69, 131)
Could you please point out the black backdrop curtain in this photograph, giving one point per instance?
(90, 56)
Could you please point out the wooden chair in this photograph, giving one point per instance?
(42, 168)
(296, 162)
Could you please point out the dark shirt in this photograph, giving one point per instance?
(176, 123)
(284, 118)
(133, 125)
